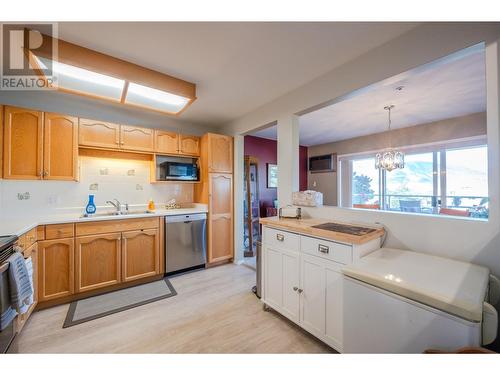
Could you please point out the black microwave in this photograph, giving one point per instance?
(171, 168)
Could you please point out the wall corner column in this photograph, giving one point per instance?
(288, 158)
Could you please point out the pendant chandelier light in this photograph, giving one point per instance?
(391, 159)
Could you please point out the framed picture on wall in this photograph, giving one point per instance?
(272, 175)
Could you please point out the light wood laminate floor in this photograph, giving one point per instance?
(214, 312)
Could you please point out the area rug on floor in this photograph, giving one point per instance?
(96, 307)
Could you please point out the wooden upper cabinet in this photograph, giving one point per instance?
(220, 153)
(189, 145)
(98, 261)
(136, 139)
(140, 254)
(95, 133)
(166, 142)
(55, 269)
(60, 147)
(22, 144)
(220, 217)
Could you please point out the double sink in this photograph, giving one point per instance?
(116, 213)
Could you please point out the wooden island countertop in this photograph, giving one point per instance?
(306, 226)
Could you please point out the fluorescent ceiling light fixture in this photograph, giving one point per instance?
(73, 78)
(145, 96)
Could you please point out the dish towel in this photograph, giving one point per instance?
(6, 317)
(28, 302)
(21, 289)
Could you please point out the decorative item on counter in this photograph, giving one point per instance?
(309, 198)
(290, 212)
(151, 205)
(171, 204)
(91, 208)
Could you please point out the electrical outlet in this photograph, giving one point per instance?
(131, 172)
(104, 171)
(23, 196)
(94, 187)
(139, 187)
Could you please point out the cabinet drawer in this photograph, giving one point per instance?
(117, 225)
(280, 239)
(55, 231)
(326, 249)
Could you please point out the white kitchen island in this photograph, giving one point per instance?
(301, 272)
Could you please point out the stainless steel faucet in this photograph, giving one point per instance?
(116, 205)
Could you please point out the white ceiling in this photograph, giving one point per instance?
(447, 89)
(237, 66)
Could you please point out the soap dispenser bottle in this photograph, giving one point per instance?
(151, 205)
(90, 209)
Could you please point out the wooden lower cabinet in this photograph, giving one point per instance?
(97, 261)
(56, 268)
(140, 254)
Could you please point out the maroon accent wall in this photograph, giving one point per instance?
(266, 150)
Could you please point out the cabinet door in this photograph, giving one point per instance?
(140, 254)
(95, 133)
(166, 142)
(136, 139)
(23, 144)
(55, 269)
(220, 226)
(312, 282)
(60, 147)
(334, 305)
(189, 145)
(281, 282)
(291, 297)
(98, 261)
(273, 277)
(220, 153)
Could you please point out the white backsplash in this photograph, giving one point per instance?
(125, 180)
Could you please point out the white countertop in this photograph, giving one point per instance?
(458, 288)
(19, 224)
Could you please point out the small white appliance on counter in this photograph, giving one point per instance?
(398, 301)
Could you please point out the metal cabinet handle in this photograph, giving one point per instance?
(323, 249)
(280, 237)
(295, 288)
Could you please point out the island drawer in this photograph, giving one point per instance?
(338, 252)
(280, 239)
(120, 225)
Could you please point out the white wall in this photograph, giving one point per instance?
(456, 238)
(64, 197)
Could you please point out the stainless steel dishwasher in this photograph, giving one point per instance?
(185, 242)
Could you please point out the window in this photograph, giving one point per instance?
(411, 189)
(365, 184)
(467, 180)
(446, 181)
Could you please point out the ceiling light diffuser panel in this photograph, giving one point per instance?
(84, 81)
(145, 96)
